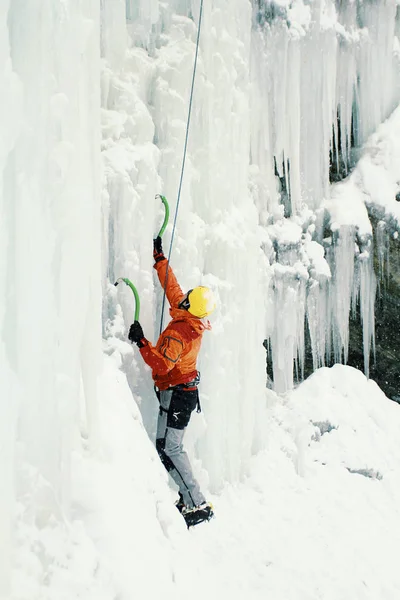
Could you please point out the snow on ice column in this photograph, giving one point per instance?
(367, 291)
(353, 282)
(378, 66)
(131, 214)
(293, 78)
(342, 265)
(10, 123)
(288, 290)
(144, 16)
(318, 306)
(316, 69)
(217, 240)
(51, 320)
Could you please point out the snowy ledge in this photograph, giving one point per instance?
(327, 484)
(374, 184)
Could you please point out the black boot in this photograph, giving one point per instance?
(198, 514)
(180, 505)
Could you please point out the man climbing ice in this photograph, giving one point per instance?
(173, 363)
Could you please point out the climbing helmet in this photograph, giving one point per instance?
(199, 301)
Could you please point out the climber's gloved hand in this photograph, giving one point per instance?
(158, 253)
(136, 334)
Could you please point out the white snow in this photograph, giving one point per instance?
(314, 515)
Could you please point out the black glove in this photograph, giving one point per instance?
(158, 253)
(136, 334)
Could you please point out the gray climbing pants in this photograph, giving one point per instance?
(176, 406)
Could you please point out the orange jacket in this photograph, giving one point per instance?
(173, 359)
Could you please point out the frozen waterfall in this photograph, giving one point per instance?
(287, 93)
(324, 75)
(290, 98)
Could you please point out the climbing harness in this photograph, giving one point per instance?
(183, 162)
(190, 386)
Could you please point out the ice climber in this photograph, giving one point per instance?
(173, 363)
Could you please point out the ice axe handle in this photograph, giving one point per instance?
(166, 217)
(135, 293)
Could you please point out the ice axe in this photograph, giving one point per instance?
(128, 281)
(135, 293)
(166, 217)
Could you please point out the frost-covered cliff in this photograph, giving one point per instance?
(93, 112)
(286, 95)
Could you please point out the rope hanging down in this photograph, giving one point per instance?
(183, 162)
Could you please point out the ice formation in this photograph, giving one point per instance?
(284, 90)
(330, 80)
(50, 276)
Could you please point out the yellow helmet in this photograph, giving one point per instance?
(201, 301)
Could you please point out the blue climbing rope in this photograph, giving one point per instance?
(183, 163)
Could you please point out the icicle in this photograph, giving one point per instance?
(141, 17)
(346, 79)
(287, 340)
(367, 305)
(289, 283)
(342, 266)
(382, 250)
(326, 77)
(377, 75)
(317, 321)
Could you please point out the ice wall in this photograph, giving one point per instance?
(285, 92)
(10, 115)
(324, 76)
(50, 273)
(259, 221)
(145, 101)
